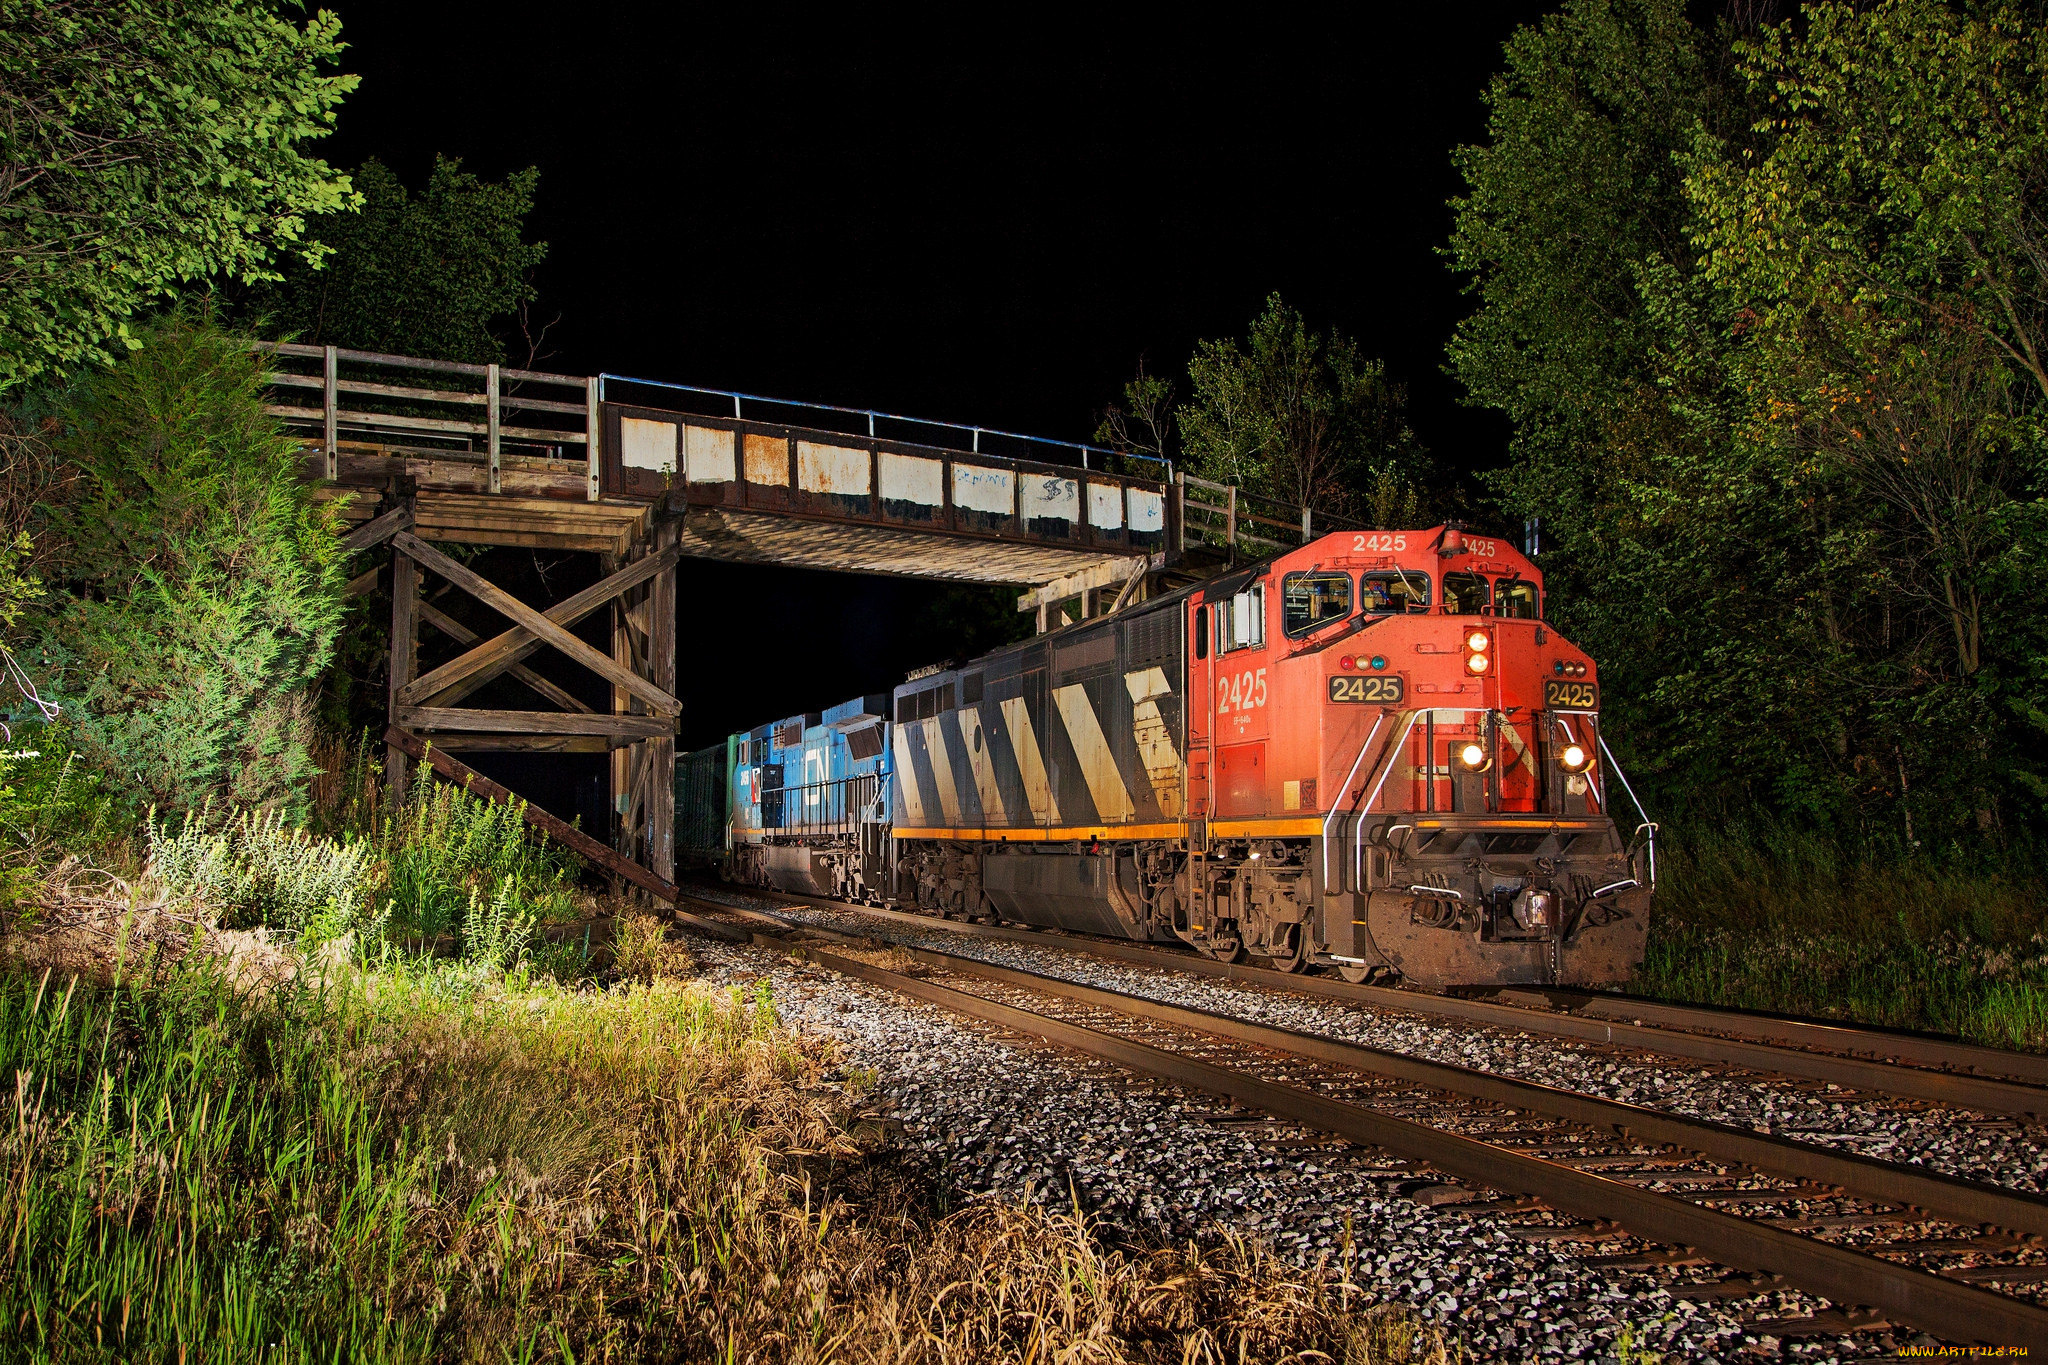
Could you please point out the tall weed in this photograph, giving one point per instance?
(1773, 918)
(50, 806)
(253, 868)
(450, 851)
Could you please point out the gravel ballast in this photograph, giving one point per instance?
(995, 1114)
(1955, 1142)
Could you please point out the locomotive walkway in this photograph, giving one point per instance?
(646, 474)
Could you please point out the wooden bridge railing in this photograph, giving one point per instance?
(451, 411)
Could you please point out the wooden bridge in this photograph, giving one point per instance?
(432, 452)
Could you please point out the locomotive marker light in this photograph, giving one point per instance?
(1472, 754)
(1574, 759)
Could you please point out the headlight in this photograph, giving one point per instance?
(1574, 758)
(1475, 663)
(1476, 641)
(1473, 755)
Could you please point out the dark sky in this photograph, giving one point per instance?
(987, 223)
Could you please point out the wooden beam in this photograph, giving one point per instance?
(516, 611)
(363, 583)
(1109, 573)
(661, 651)
(463, 635)
(529, 744)
(570, 837)
(405, 583)
(459, 677)
(377, 530)
(532, 722)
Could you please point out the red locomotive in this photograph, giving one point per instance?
(1370, 753)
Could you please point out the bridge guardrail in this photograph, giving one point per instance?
(458, 412)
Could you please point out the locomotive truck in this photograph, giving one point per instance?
(1371, 754)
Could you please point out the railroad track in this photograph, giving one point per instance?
(1904, 1066)
(1898, 1244)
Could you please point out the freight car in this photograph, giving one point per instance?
(1372, 754)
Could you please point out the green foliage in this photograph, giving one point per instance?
(1772, 419)
(1774, 917)
(460, 864)
(149, 145)
(196, 583)
(253, 868)
(49, 806)
(1294, 415)
(431, 275)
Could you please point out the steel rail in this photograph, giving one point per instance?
(1959, 1088)
(1951, 1197)
(1946, 1308)
(1848, 1039)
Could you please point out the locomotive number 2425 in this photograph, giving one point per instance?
(1369, 688)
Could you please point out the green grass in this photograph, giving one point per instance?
(1777, 920)
(420, 1164)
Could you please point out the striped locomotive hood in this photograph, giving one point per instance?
(1074, 731)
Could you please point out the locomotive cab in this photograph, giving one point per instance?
(1403, 692)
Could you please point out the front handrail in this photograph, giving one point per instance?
(1372, 734)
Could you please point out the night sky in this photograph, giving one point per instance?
(988, 223)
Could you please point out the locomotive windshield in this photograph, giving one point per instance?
(1517, 598)
(1309, 600)
(1394, 592)
(1465, 594)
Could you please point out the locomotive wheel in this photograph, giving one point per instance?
(1226, 950)
(1357, 974)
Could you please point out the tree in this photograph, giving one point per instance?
(144, 146)
(1889, 256)
(1294, 415)
(194, 583)
(433, 275)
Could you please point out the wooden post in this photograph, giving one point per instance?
(621, 763)
(1306, 537)
(491, 419)
(661, 660)
(1230, 521)
(405, 583)
(591, 450)
(330, 414)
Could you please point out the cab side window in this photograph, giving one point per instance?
(1241, 620)
(1393, 593)
(1311, 600)
(1517, 598)
(1465, 594)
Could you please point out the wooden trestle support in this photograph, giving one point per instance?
(427, 722)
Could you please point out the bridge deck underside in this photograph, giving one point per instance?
(761, 538)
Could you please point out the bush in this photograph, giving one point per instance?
(49, 806)
(255, 869)
(458, 863)
(195, 584)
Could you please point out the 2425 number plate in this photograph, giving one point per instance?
(1369, 688)
(1562, 694)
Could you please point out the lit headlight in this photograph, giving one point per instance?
(1574, 758)
(1475, 663)
(1476, 641)
(1472, 754)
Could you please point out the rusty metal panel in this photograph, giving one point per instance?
(1050, 505)
(767, 460)
(1105, 506)
(906, 478)
(978, 488)
(709, 452)
(645, 444)
(841, 471)
(1147, 510)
